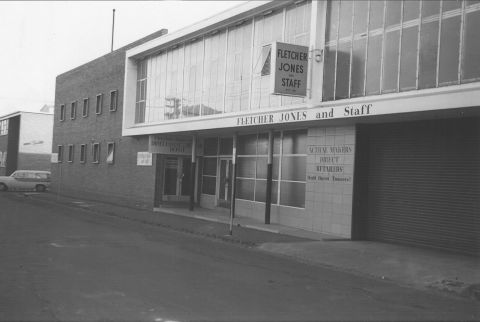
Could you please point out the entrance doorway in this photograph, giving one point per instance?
(225, 184)
(177, 179)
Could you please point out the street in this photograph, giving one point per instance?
(65, 264)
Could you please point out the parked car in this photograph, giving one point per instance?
(26, 180)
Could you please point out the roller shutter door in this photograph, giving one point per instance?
(424, 184)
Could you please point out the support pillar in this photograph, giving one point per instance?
(192, 173)
(234, 181)
(268, 197)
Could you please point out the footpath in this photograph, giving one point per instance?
(427, 269)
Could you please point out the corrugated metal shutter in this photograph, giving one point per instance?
(424, 184)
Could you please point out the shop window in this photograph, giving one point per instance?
(110, 152)
(95, 152)
(60, 153)
(71, 154)
(62, 112)
(246, 167)
(83, 153)
(113, 100)
(73, 110)
(99, 104)
(209, 176)
(292, 194)
(245, 188)
(86, 106)
(247, 144)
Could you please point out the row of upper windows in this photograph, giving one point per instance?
(86, 106)
(3, 127)
(95, 153)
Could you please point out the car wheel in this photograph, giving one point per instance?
(40, 188)
(3, 187)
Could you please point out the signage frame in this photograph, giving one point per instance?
(279, 77)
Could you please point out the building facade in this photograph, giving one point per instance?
(93, 160)
(25, 141)
(384, 143)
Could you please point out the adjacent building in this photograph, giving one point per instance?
(25, 141)
(358, 119)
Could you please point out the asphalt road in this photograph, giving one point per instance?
(65, 264)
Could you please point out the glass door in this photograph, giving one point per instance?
(225, 183)
(177, 179)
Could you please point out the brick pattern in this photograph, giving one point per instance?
(122, 182)
(329, 191)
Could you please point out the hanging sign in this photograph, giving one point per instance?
(290, 69)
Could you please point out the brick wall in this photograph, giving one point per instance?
(122, 182)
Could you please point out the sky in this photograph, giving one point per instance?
(42, 39)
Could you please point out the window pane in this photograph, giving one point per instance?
(208, 185)
(361, 14)
(261, 191)
(394, 9)
(451, 5)
(449, 44)
(246, 167)
(245, 188)
(292, 194)
(226, 146)
(294, 142)
(471, 52)
(210, 166)
(358, 67)
(247, 144)
(262, 144)
(346, 8)
(408, 60)
(343, 71)
(276, 168)
(262, 167)
(430, 8)
(276, 142)
(329, 73)
(376, 14)
(427, 73)
(332, 20)
(294, 168)
(390, 62)
(210, 146)
(373, 64)
(411, 10)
